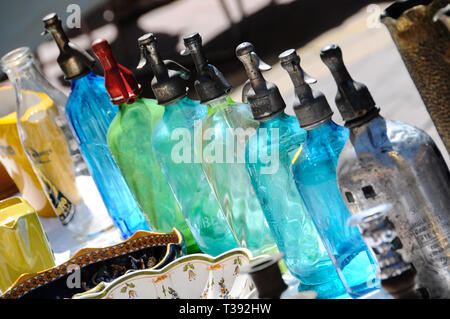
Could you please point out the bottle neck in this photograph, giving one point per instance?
(357, 130)
(18, 63)
(322, 130)
(254, 74)
(82, 79)
(27, 80)
(60, 37)
(361, 121)
(341, 75)
(157, 64)
(124, 106)
(174, 105)
(24, 74)
(219, 103)
(273, 120)
(199, 60)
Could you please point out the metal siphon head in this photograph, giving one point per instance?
(353, 99)
(264, 97)
(73, 60)
(310, 106)
(169, 81)
(210, 83)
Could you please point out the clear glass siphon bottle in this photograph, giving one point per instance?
(53, 150)
(90, 113)
(397, 276)
(129, 139)
(314, 171)
(268, 160)
(387, 161)
(223, 134)
(174, 144)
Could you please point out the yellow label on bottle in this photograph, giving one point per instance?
(48, 149)
(14, 159)
(64, 208)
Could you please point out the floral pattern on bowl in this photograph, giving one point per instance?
(196, 276)
(158, 250)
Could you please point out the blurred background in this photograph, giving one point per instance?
(271, 25)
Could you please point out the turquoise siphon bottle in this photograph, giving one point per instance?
(90, 113)
(174, 145)
(314, 171)
(224, 132)
(269, 153)
(129, 138)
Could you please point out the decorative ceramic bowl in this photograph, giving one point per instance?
(190, 277)
(90, 266)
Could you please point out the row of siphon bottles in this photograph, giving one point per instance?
(229, 174)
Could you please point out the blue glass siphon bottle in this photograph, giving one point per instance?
(174, 144)
(314, 171)
(268, 159)
(90, 113)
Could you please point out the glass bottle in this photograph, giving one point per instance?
(223, 158)
(174, 144)
(397, 277)
(90, 113)
(53, 150)
(269, 153)
(14, 158)
(129, 138)
(314, 171)
(391, 162)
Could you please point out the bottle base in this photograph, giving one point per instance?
(362, 290)
(91, 236)
(193, 249)
(329, 290)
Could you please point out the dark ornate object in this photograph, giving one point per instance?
(420, 31)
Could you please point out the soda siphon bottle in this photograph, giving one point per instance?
(52, 148)
(224, 132)
(129, 138)
(90, 113)
(275, 142)
(174, 144)
(314, 171)
(397, 277)
(390, 162)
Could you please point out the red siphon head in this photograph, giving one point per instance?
(120, 82)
